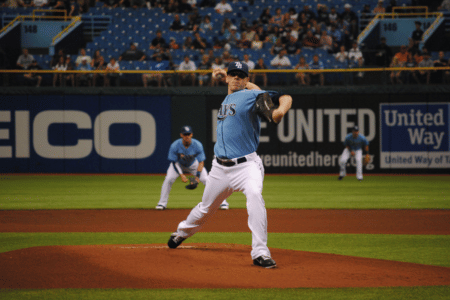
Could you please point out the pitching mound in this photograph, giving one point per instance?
(201, 266)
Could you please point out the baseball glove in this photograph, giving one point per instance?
(366, 160)
(264, 106)
(192, 184)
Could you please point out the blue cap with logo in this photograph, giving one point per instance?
(186, 129)
(356, 128)
(238, 66)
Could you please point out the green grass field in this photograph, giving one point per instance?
(301, 192)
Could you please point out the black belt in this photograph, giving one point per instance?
(229, 162)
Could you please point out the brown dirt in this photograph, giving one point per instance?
(201, 266)
(234, 220)
(211, 265)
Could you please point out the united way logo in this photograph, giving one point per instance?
(414, 135)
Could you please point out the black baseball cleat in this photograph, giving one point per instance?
(265, 262)
(175, 240)
(341, 177)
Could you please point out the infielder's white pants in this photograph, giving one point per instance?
(343, 163)
(222, 181)
(172, 175)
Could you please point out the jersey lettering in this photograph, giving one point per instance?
(226, 110)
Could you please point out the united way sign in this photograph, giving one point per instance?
(414, 135)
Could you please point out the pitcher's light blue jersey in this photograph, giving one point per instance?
(238, 125)
(186, 157)
(355, 144)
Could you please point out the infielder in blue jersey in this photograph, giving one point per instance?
(354, 143)
(186, 156)
(236, 166)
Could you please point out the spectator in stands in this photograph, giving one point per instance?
(132, 54)
(379, 9)
(247, 38)
(113, 69)
(277, 47)
(333, 16)
(60, 66)
(233, 38)
(417, 34)
(177, 24)
(281, 61)
(366, 13)
(310, 41)
(391, 5)
(84, 78)
(227, 58)
(349, 15)
(293, 14)
(204, 78)
(223, 7)
(326, 41)
(277, 19)
(192, 3)
(171, 7)
(158, 77)
(196, 15)
(354, 54)
(257, 44)
(158, 41)
(173, 45)
(199, 42)
(192, 24)
(40, 3)
(34, 77)
(187, 65)
(424, 76)
(243, 25)
(136, 4)
(74, 8)
(56, 58)
(383, 55)
(316, 64)
(402, 56)
(336, 35)
(206, 26)
(184, 7)
(308, 12)
(409, 75)
(303, 21)
(81, 57)
(286, 21)
(297, 31)
(342, 55)
(293, 47)
(69, 67)
(25, 59)
(188, 44)
(265, 16)
(260, 65)
(440, 62)
(218, 63)
(445, 5)
(359, 76)
(396, 75)
(322, 14)
(97, 63)
(250, 63)
(302, 78)
(226, 26)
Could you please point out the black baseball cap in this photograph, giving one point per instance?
(186, 129)
(356, 128)
(238, 66)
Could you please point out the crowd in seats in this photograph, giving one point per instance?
(275, 34)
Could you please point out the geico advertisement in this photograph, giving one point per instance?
(84, 134)
(414, 135)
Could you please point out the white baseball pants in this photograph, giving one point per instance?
(222, 181)
(343, 163)
(172, 175)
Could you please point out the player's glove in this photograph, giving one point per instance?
(366, 160)
(192, 184)
(264, 106)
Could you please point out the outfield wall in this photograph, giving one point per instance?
(130, 131)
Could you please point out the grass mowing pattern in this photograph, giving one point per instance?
(116, 192)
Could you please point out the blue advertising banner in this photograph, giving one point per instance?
(414, 135)
(85, 134)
